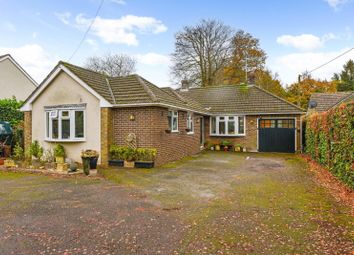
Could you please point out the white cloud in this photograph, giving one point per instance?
(33, 58)
(123, 30)
(306, 41)
(302, 42)
(8, 26)
(153, 59)
(291, 65)
(336, 3)
(63, 17)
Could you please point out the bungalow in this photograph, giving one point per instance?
(14, 80)
(322, 102)
(83, 109)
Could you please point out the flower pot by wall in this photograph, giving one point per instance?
(144, 164)
(129, 164)
(59, 160)
(217, 147)
(116, 162)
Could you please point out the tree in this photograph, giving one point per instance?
(113, 65)
(201, 52)
(345, 78)
(10, 111)
(269, 81)
(300, 92)
(247, 57)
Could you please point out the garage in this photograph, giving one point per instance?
(276, 135)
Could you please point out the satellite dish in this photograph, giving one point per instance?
(312, 104)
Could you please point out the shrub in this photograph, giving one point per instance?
(117, 152)
(130, 154)
(145, 154)
(10, 111)
(330, 141)
(48, 156)
(89, 154)
(59, 150)
(36, 150)
(18, 152)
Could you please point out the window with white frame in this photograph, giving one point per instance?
(190, 122)
(65, 124)
(227, 125)
(173, 120)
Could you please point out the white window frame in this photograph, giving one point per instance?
(174, 114)
(72, 138)
(190, 123)
(226, 120)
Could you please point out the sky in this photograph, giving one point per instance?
(297, 35)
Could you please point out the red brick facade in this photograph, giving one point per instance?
(249, 141)
(150, 125)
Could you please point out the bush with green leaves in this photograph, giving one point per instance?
(330, 140)
(18, 153)
(59, 151)
(36, 150)
(10, 111)
(130, 154)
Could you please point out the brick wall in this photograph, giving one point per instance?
(27, 130)
(149, 127)
(250, 139)
(106, 134)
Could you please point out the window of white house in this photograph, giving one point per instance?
(227, 125)
(190, 123)
(65, 124)
(173, 120)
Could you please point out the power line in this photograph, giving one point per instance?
(315, 69)
(87, 31)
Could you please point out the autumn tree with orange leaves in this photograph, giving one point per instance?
(299, 93)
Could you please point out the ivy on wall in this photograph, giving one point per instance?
(330, 140)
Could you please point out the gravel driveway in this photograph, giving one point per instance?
(216, 203)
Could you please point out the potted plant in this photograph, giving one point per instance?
(59, 153)
(36, 152)
(238, 148)
(145, 157)
(226, 144)
(217, 146)
(129, 157)
(117, 155)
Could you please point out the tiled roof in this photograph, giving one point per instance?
(131, 89)
(241, 100)
(326, 101)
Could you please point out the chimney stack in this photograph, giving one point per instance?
(184, 85)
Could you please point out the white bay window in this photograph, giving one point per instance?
(65, 124)
(227, 125)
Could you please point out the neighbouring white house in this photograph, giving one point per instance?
(14, 80)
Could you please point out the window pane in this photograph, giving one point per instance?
(55, 128)
(231, 127)
(65, 114)
(241, 125)
(65, 129)
(291, 123)
(174, 124)
(221, 127)
(213, 125)
(79, 124)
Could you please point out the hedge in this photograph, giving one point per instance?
(330, 141)
(10, 111)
